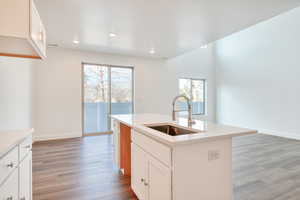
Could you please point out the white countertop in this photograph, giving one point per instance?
(207, 130)
(9, 139)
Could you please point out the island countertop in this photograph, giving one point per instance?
(9, 139)
(205, 130)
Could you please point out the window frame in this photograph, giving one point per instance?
(191, 93)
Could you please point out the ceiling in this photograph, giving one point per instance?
(170, 27)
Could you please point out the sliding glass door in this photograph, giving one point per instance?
(106, 90)
(121, 90)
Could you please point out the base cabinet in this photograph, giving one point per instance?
(194, 171)
(159, 181)
(17, 182)
(139, 174)
(150, 179)
(9, 190)
(25, 178)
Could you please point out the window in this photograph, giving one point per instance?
(195, 90)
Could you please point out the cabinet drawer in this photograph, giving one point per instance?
(9, 190)
(8, 163)
(156, 149)
(25, 147)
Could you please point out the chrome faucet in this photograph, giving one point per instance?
(190, 120)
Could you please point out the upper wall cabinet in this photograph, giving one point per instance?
(22, 33)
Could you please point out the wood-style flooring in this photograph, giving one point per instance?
(264, 168)
(78, 169)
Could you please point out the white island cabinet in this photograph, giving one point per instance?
(173, 161)
(16, 165)
(150, 179)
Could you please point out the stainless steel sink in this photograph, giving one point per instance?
(171, 130)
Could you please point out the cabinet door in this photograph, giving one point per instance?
(159, 181)
(42, 38)
(37, 30)
(139, 172)
(25, 175)
(9, 189)
(34, 24)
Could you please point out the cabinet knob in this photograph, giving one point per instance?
(9, 198)
(146, 184)
(142, 180)
(27, 147)
(10, 165)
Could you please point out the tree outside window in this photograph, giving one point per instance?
(195, 90)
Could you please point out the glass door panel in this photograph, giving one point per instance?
(96, 98)
(107, 90)
(121, 90)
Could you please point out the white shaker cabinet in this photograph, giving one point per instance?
(25, 178)
(9, 190)
(150, 179)
(22, 33)
(16, 172)
(139, 172)
(159, 180)
(37, 29)
(194, 171)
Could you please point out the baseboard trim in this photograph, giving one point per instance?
(289, 135)
(55, 136)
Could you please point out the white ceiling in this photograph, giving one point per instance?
(171, 27)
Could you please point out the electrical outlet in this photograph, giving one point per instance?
(213, 155)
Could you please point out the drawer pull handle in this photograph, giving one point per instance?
(9, 198)
(27, 147)
(23, 198)
(146, 184)
(10, 165)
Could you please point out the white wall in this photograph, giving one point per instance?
(198, 63)
(258, 73)
(15, 93)
(255, 72)
(57, 107)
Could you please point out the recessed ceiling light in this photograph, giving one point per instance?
(204, 46)
(112, 35)
(152, 51)
(76, 41)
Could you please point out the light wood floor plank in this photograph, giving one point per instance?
(264, 168)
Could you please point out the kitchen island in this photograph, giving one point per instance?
(168, 159)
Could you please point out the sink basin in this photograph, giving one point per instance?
(171, 130)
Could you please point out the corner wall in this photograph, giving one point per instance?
(15, 93)
(258, 76)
